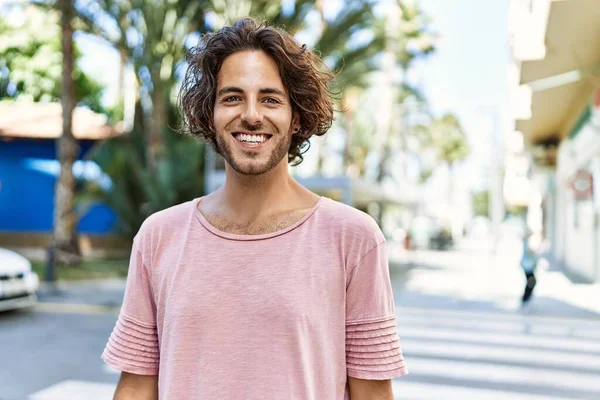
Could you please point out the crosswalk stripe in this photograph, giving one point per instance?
(76, 390)
(504, 355)
(500, 326)
(502, 374)
(497, 316)
(71, 308)
(405, 390)
(491, 338)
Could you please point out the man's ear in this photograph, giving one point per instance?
(296, 123)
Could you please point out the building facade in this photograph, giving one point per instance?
(29, 169)
(555, 47)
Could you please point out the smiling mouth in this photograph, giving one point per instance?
(251, 139)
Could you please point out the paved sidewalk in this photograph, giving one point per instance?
(94, 297)
(552, 284)
(105, 292)
(473, 277)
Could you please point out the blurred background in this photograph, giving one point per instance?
(469, 126)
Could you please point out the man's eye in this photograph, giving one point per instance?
(271, 100)
(231, 99)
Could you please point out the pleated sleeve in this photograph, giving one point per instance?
(133, 345)
(372, 344)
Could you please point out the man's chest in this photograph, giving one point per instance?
(282, 287)
(259, 226)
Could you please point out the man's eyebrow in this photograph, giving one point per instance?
(272, 91)
(229, 89)
(234, 89)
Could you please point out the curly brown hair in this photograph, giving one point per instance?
(304, 74)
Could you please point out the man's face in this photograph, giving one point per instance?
(252, 115)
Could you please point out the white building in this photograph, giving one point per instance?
(555, 101)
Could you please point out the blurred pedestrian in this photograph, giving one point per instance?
(529, 260)
(261, 289)
(407, 240)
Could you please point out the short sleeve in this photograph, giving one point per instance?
(133, 345)
(372, 344)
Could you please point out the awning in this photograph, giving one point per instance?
(359, 193)
(563, 81)
(44, 121)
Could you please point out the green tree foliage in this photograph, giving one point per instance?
(353, 60)
(415, 39)
(516, 210)
(444, 137)
(411, 40)
(134, 191)
(150, 36)
(481, 202)
(447, 137)
(31, 59)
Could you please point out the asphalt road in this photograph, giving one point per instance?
(40, 348)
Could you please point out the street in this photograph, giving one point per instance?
(58, 341)
(463, 334)
(208, 142)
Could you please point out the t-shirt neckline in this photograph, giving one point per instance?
(233, 236)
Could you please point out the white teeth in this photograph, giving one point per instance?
(252, 138)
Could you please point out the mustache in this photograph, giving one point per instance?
(245, 126)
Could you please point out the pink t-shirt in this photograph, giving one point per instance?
(285, 315)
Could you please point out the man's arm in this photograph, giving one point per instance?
(137, 387)
(362, 389)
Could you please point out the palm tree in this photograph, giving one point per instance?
(29, 51)
(415, 39)
(150, 36)
(446, 137)
(65, 217)
(353, 64)
(412, 40)
(159, 48)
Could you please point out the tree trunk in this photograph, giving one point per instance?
(454, 219)
(157, 119)
(451, 185)
(121, 82)
(65, 217)
(320, 161)
(385, 119)
(383, 164)
(347, 118)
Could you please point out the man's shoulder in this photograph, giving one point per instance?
(172, 218)
(351, 221)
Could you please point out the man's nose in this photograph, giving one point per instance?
(251, 114)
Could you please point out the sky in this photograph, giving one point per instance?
(467, 74)
(468, 69)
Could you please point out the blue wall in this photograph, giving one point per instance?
(28, 173)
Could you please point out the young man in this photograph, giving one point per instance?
(261, 290)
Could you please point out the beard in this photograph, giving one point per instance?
(249, 163)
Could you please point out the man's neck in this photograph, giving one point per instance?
(249, 197)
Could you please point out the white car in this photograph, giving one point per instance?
(18, 283)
